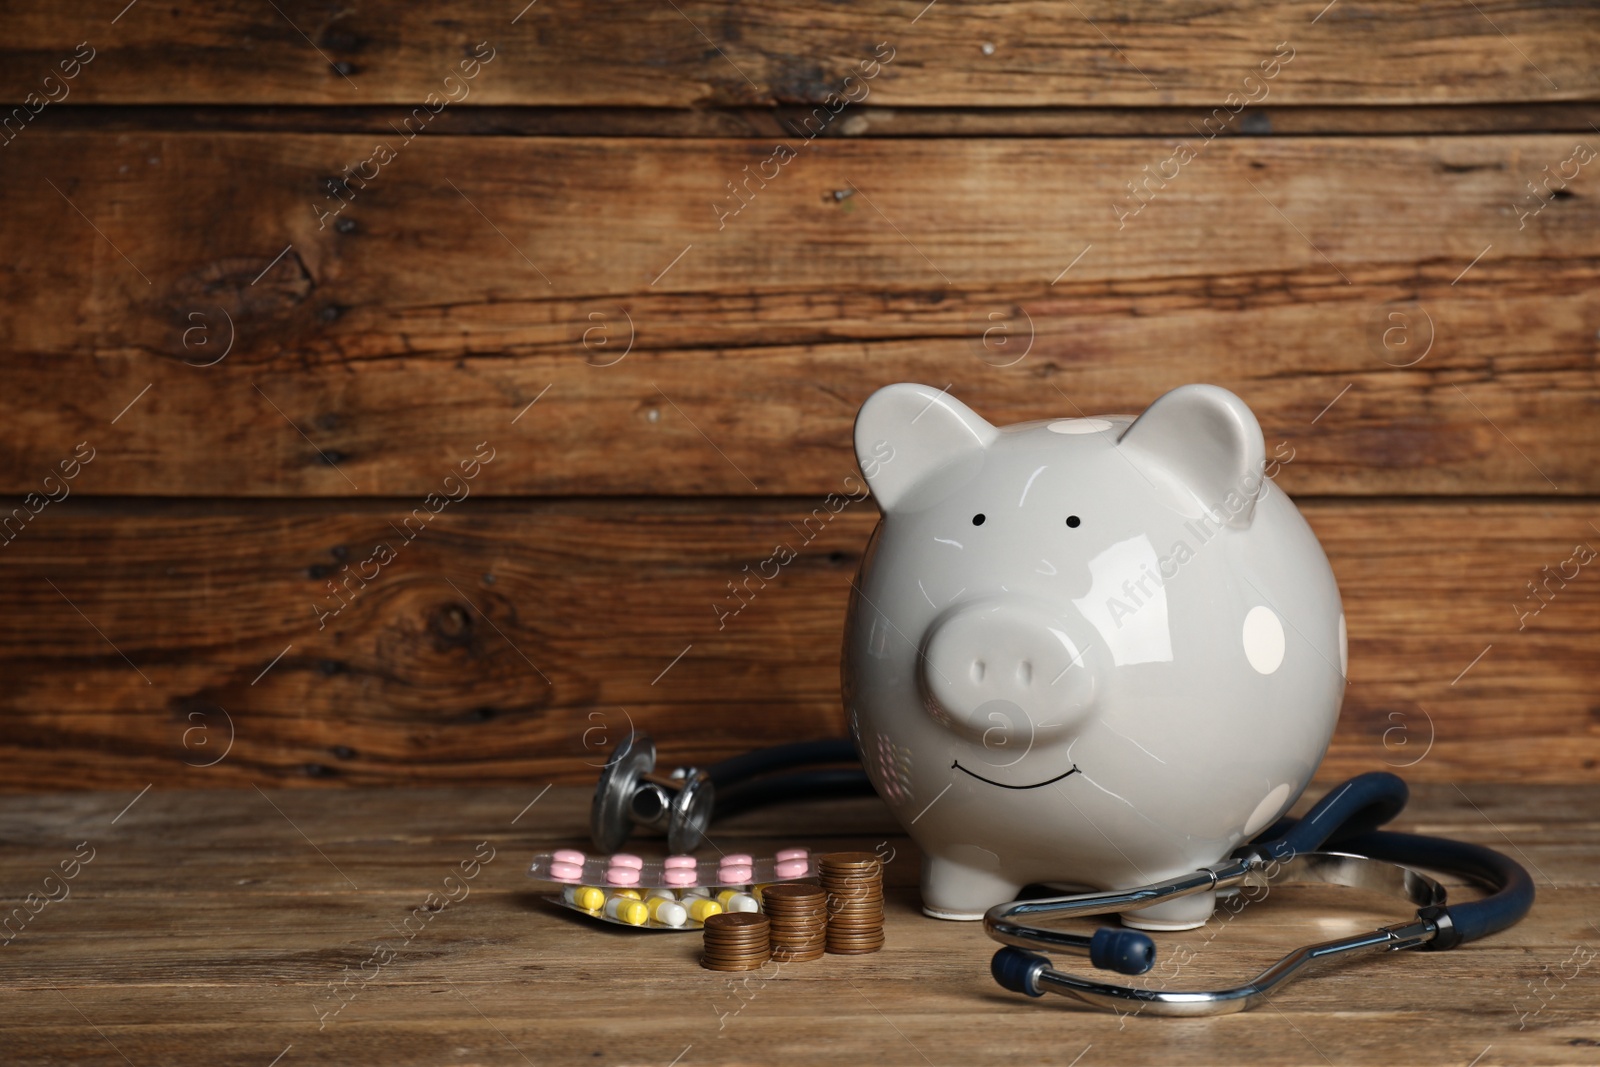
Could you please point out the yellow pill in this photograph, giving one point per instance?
(724, 895)
(702, 908)
(631, 894)
(588, 897)
(633, 912)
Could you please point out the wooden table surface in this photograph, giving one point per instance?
(257, 928)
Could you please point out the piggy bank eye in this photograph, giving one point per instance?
(1073, 521)
(977, 520)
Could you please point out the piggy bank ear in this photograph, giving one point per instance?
(916, 444)
(1201, 443)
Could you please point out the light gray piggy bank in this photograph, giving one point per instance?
(1090, 652)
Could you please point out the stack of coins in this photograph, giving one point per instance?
(736, 941)
(798, 913)
(854, 884)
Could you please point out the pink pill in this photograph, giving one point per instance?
(566, 872)
(792, 854)
(623, 859)
(679, 876)
(738, 859)
(568, 855)
(734, 875)
(672, 862)
(791, 868)
(622, 876)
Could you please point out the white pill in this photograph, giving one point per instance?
(667, 912)
(742, 902)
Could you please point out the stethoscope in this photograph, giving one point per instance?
(1337, 843)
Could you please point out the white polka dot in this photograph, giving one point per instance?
(1079, 426)
(1263, 639)
(1344, 648)
(1270, 805)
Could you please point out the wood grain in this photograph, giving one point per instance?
(862, 121)
(518, 640)
(209, 927)
(479, 272)
(561, 52)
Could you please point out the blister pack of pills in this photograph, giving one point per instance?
(674, 893)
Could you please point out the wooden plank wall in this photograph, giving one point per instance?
(271, 273)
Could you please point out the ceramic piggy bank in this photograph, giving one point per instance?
(1090, 652)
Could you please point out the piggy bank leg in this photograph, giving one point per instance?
(952, 890)
(1184, 913)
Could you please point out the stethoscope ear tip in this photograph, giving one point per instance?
(1018, 970)
(1123, 951)
(1111, 949)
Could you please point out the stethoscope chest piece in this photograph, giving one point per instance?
(630, 794)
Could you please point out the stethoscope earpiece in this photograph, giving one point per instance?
(1287, 853)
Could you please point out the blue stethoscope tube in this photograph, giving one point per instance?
(1348, 819)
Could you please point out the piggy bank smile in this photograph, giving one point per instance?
(1091, 651)
(956, 766)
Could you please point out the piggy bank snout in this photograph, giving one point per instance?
(996, 662)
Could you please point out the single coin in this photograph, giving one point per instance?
(754, 965)
(840, 859)
(791, 891)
